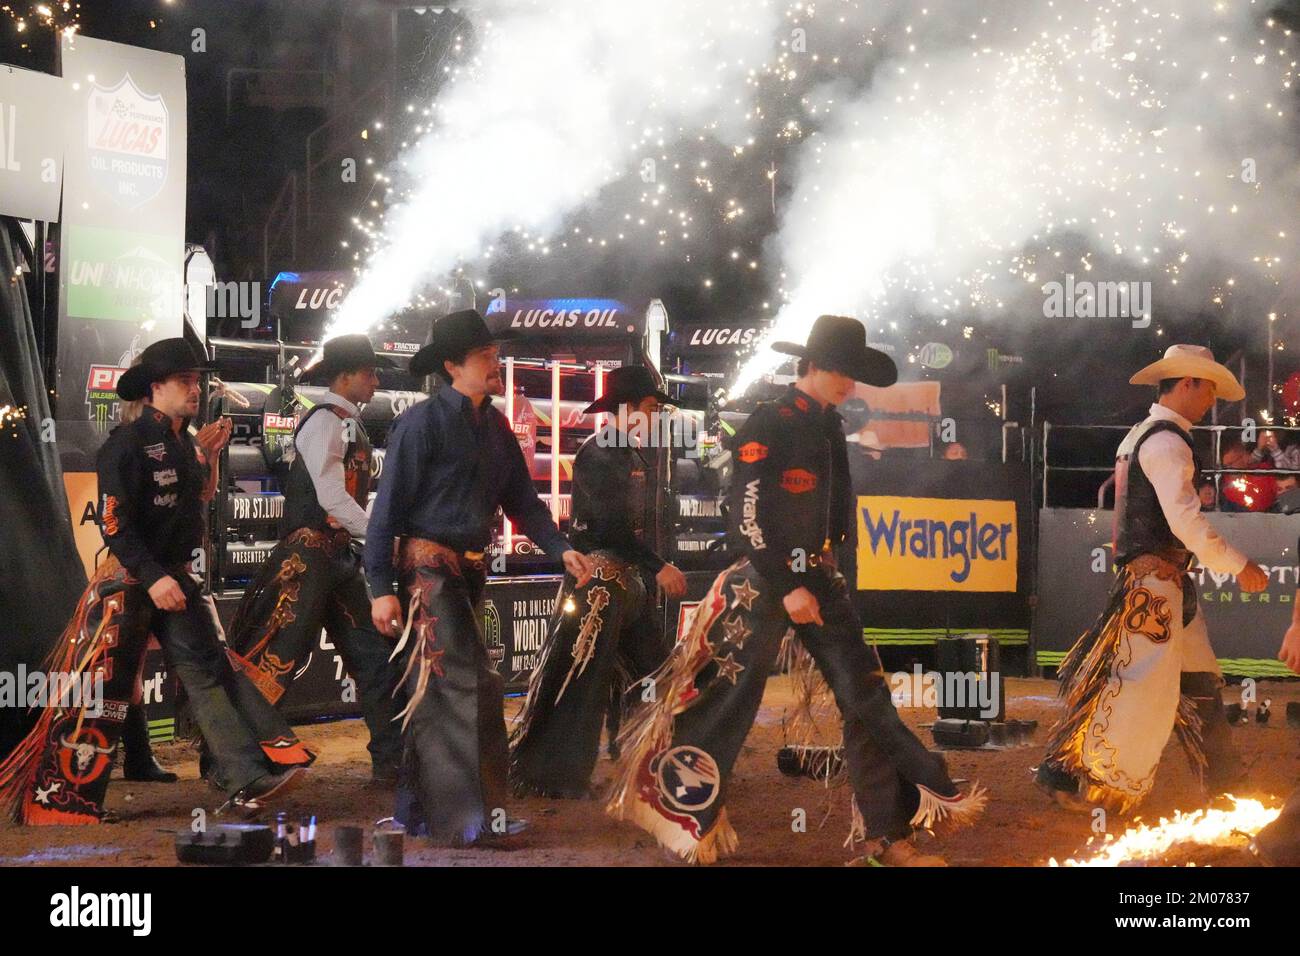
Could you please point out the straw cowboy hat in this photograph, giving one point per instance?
(1196, 361)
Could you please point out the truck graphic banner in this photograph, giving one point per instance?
(936, 544)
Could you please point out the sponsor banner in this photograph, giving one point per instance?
(82, 488)
(31, 144)
(1076, 569)
(534, 317)
(918, 593)
(135, 281)
(122, 255)
(308, 294)
(707, 339)
(255, 507)
(936, 544)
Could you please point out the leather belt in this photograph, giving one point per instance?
(415, 552)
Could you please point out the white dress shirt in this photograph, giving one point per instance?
(1167, 462)
(321, 446)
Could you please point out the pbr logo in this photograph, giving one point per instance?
(278, 423)
(126, 135)
(101, 393)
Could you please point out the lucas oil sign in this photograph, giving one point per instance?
(936, 544)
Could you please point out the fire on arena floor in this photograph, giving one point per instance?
(1020, 827)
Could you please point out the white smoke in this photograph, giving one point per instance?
(1161, 132)
(565, 96)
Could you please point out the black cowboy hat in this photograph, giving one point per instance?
(161, 359)
(453, 335)
(627, 383)
(344, 354)
(838, 343)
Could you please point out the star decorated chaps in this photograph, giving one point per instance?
(678, 752)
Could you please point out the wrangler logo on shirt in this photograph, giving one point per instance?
(936, 544)
(749, 517)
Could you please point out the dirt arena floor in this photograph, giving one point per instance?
(1020, 827)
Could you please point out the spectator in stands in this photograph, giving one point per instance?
(1242, 492)
(1205, 491)
(1285, 457)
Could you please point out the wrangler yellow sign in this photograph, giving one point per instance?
(936, 544)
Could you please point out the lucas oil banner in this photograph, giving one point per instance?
(122, 240)
(936, 544)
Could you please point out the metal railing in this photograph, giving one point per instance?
(1217, 472)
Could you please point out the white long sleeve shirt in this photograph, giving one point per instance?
(1167, 462)
(321, 446)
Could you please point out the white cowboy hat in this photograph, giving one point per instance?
(1197, 361)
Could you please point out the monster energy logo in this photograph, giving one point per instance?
(997, 359)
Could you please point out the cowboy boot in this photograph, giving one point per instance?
(1223, 766)
(138, 761)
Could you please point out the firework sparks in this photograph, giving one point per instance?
(935, 159)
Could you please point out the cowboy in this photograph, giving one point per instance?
(152, 487)
(452, 461)
(603, 634)
(313, 577)
(790, 506)
(1123, 679)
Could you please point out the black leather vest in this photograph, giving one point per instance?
(302, 509)
(1140, 524)
(603, 517)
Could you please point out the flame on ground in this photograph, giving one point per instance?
(1208, 827)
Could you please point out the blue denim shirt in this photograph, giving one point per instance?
(446, 470)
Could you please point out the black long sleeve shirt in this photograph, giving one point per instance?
(613, 500)
(447, 469)
(790, 491)
(150, 496)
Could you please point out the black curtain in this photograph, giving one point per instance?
(41, 576)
